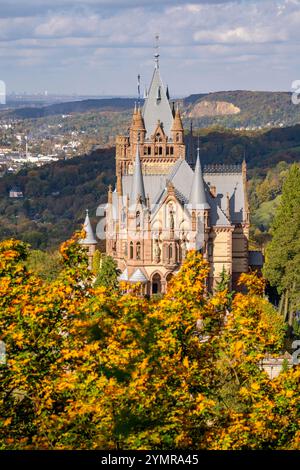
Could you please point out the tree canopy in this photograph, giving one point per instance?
(93, 368)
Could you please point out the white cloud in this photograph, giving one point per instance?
(193, 34)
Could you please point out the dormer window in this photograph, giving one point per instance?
(158, 96)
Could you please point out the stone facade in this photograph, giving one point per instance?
(162, 207)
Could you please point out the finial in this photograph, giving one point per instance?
(156, 55)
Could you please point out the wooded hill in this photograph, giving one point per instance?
(56, 195)
(252, 108)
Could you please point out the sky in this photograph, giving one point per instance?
(98, 47)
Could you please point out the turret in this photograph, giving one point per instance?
(198, 196)
(138, 189)
(177, 130)
(89, 241)
(137, 128)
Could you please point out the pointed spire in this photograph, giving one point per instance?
(157, 105)
(177, 122)
(198, 198)
(139, 121)
(89, 234)
(138, 189)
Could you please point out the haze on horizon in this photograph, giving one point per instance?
(98, 47)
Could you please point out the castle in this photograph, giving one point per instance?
(163, 205)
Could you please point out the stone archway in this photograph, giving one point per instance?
(156, 285)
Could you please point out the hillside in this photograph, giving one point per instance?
(109, 104)
(232, 109)
(57, 195)
(256, 109)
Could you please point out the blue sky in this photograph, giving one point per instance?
(99, 46)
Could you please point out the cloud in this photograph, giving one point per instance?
(200, 37)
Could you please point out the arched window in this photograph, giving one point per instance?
(170, 254)
(160, 150)
(138, 250)
(177, 137)
(156, 284)
(172, 150)
(131, 250)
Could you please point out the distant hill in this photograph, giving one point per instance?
(57, 195)
(107, 104)
(244, 109)
(232, 109)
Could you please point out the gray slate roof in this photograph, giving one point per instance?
(181, 176)
(89, 233)
(138, 189)
(157, 109)
(198, 196)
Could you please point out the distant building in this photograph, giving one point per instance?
(15, 192)
(274, 365)
(164, 204)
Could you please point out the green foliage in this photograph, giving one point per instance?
(46, 265)
(56, 197)
(106, 271)
(282, 267)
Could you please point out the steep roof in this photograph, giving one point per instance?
(157, 106)
(138, 276)
(138, 189)
(89, 233)
(198, 198)
(124, 275)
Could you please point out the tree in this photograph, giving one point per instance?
(106, 270)
(94, 368)
(282, 267)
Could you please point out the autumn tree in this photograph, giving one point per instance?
(92, 368)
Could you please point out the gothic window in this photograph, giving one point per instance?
(138, 250)
(156, 284)
(170, 252)
(149, 150)
(177, 137)
(168, 150)
(172, 150)
(131, 250)
(160, 150)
